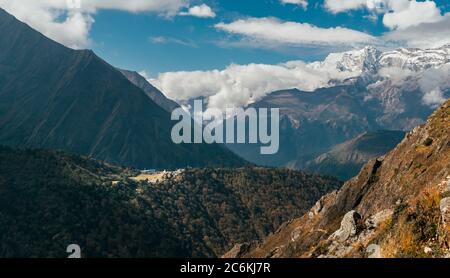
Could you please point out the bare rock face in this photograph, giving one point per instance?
(445, 211)
(321, 205)
(275, 253)
(237, 251)
(375, 220)
(315, 210)
(348, 226)
(444, 186)
(374, 251)
(295, 235)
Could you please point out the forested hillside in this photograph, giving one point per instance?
(49, 200)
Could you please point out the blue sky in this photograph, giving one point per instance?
(130, 40)
(124, 39)
(185, 35)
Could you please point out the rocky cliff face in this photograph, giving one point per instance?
(397, 206)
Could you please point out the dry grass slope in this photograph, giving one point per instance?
(403, 193)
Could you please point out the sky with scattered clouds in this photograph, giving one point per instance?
(170, 35)
(193, 41)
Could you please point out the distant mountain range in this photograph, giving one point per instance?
(395, 90)
(52, 199)
(346, 159)
(370, 60)
(54, 97)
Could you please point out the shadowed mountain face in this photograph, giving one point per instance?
(314, 123)
(58, 98)
(157, 96)
(50, 199)
(344, 161)
(310, 124)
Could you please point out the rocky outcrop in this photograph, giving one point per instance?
(374, 251)
(237, 251)
(445, 211)
(348, 227)
(352, 232)
(374, 221)
(321, 205)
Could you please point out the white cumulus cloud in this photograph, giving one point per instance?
(302, 3)
(69, 21)
(412, 13)
(397, 14)
(412, 24)
(273, 30)
(199, 11)
(425, 35)
(337, 6)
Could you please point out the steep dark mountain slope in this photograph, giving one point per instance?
(49, 200)
(398, 206)
(344, 161)
(58, 98)
(157, 96)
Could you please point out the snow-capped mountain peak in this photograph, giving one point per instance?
(416, 59)
(355, 61)
(370, 60)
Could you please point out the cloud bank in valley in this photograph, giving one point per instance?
(240, 85)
